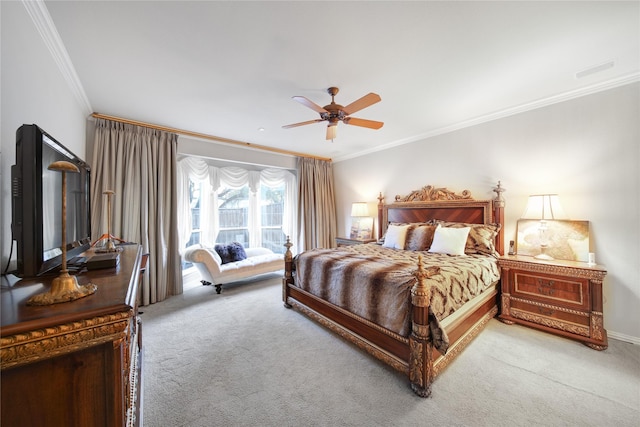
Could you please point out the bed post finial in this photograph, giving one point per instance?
(499, 200)
(498, 216)
(288, 272)
(421, 294)
(380, 215)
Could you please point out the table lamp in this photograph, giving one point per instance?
(544, 207)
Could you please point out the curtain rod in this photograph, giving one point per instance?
(209, 137)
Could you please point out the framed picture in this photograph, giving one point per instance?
(568, 240)
(361, 228)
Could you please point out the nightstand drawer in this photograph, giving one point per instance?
(343, 241)
(556, 290)
(576, 322)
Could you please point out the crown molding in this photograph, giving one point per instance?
(40, 16)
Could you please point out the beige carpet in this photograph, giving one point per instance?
(242, 359)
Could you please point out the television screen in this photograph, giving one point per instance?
(37, 203)
(52, 192)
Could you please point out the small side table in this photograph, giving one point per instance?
(344, 241)
(561, 297)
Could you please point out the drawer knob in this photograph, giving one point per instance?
(545, 288)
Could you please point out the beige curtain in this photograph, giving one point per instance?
(139, 164)
(316, 204)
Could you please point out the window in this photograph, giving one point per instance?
(227, 204)
(236, 217)
(195, 191)
(271, 217)
(233, 211)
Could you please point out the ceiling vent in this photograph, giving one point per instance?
(594, 69)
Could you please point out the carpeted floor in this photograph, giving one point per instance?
(242, 359)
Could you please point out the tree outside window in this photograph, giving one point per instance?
(233, 208)
(234, 214)
(271, 214)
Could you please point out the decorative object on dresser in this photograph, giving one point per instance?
(343, 241)
(77, 363)
(65, 287)
(567, 239)
(559, 296)
(105, 243)
(361, 222)
(409, 336)
(544, 207)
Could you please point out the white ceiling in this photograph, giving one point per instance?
(229, 69)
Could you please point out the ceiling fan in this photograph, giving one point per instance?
(334, 113)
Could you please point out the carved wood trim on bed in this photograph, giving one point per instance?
(415, 356)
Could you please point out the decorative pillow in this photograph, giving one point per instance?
(449, 240)
(419, 238)
(215, 254)
(231, 253)
(482, 237)
(411, 226)
(395, 236)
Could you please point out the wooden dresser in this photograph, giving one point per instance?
(561, 297)
(76, 363)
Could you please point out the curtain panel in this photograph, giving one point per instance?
(317, 220)
(140, 165)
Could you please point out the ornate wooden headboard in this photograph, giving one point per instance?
(442, 204)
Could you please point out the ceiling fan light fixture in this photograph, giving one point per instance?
(331, 131)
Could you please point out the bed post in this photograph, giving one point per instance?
(380, 214)
(288, 272)
(498, 216)
(420, 345)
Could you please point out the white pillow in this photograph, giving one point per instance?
(447, 240)
(395, 236)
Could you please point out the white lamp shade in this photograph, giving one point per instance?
(544, 207)
(359, 209)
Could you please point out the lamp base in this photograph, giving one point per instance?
(64, 288)
(543, 254)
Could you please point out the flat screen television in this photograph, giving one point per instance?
(36, 223)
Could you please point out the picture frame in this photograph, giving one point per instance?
(361, 228)
(567, 239)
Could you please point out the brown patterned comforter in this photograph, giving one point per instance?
(374, 282)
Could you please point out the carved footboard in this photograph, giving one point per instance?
(414, 356)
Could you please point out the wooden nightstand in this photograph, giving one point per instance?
(343, 241)
(560, 297)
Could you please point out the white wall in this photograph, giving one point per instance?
(587, 150)
(33, 91)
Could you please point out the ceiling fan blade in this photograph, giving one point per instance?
(302, 123)
(308, 103)
(361, 103)
(331, 131)
(371, 124)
